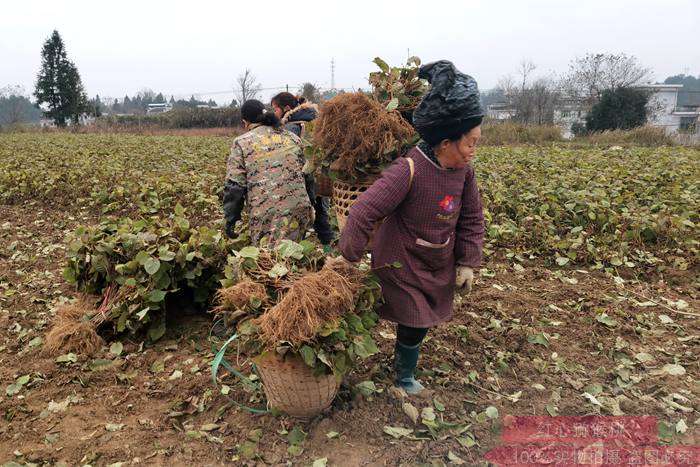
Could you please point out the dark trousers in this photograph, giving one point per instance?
(410, 336)
(322, 224)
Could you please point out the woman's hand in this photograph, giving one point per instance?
(464, 279)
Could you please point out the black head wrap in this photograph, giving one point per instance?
(452, 106)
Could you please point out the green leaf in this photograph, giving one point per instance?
(392, 105)
(366, 388)
(606, 320)
(13, 389)
(396, 265)
(296, 436)
(142, 257)
(381, 64)
(157, 366)
(156, 330)
(289, 249)
(151, 266)
(249, 252)
(278, 270)
(116, 348)
(295, 450)
(332, 434)
(309, 356)
(155, 296)
(539, 338)
(492, 412)
(248, 449)
(100, 364)
(365, 346)
(67, 358)
(594, 389)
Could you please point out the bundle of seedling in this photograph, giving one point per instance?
(304, 321)
(399, 88)
(127, 270)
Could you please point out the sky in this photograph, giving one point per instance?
(183, 48)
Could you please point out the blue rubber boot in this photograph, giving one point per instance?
(405, 361)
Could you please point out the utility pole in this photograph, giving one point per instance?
(332, 73)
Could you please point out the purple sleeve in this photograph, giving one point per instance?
(380, 200)
(470, 226)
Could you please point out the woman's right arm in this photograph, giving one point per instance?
(235, 188)
(380, 200)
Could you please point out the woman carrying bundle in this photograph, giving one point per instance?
(294, 112)
(264, 172)
(431, 214)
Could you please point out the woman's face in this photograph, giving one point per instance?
(457, 154)
(277, 110)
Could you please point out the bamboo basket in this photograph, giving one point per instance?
(290, 385)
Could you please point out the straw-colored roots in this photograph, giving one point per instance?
(311, 301)
(72, 331)
(238, 296)
(353, 129)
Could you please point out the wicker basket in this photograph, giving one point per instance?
(290, 386)
(344, 196)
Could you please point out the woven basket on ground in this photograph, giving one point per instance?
(290, 386)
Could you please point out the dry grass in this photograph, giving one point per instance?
(353, 129)
(72, 331)
(511, 133)
(648, 135)
(310, 302)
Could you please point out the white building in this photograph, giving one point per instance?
(664, 110)
(159, 108)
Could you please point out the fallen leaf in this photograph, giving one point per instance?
(592, 399)
(112, 427)
(428, 414)
(322, 462)
(177, 374)
(410, 410)
(332, 434)
(673, 369)
(491, 412)
(681, 426)
(397, 432)
(452, 457)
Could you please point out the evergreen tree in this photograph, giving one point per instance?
(621, 108)
(58, 83)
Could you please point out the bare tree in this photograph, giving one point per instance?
(532, 101)
(248, 87)
(310, 92)
(590, 75)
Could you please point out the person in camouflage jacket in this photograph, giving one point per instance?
(264, 174)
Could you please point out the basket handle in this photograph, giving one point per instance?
(218, 361)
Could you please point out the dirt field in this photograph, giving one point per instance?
(529, 341)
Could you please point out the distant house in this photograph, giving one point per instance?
(569, 112)
(159, 108)
(500, 111)
(665, 112)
